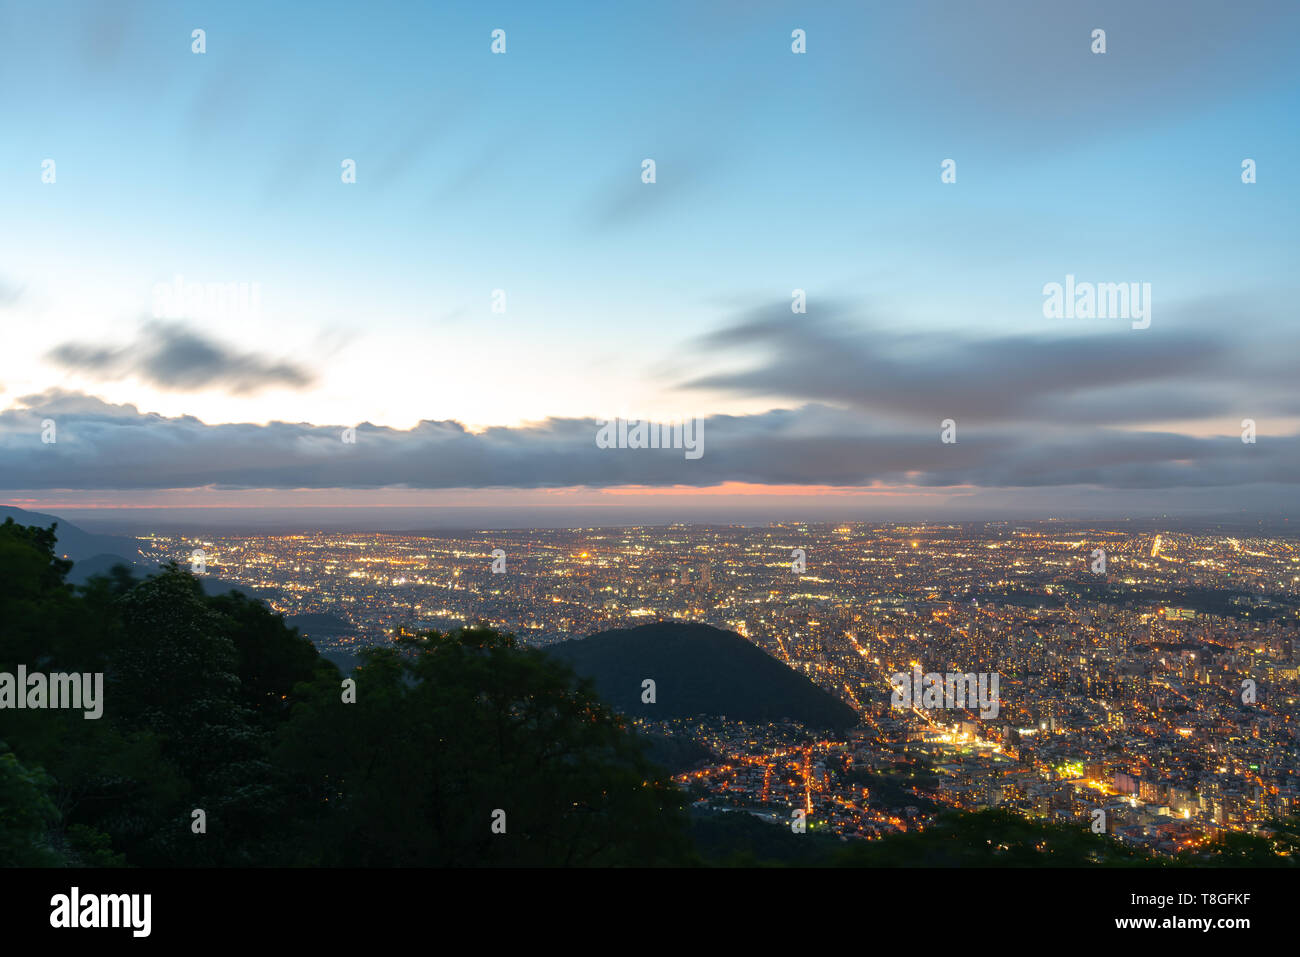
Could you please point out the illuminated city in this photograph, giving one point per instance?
(834, 462)
(1120, 691)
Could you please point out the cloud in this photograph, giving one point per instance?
(1162, 61)
(1112, 376)
(170, 356)
(9, 294)
(625, 199)
(106, 446)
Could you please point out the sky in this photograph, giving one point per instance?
(515, 179)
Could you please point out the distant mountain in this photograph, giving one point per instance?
(698, 670)
(88, 568)
(219, 586)
(75, 543)
(345, 661)
(321, 630)
(317, 625)
(91, 554)
(97, 554)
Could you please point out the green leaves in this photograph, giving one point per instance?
(27, 814)
(449, 728)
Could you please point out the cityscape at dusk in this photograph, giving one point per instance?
(1120, 690)
(707, 443)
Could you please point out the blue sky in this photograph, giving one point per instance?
(521, 172)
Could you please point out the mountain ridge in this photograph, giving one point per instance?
(698, 670)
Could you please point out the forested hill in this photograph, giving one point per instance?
(699, 670)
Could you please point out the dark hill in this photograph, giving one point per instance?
(314, 625)
(75, 543)
(91, 554)
(323, 631)
(699, 670)
(87, 568)
(94, 554)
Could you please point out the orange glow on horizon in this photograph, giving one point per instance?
(579, 496)
(752, 488)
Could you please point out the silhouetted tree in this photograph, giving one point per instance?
(448, 729)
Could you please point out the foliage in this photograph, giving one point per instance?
(213, 703)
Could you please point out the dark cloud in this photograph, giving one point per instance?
(104, 446)
(1111, 377)
(170, 356)
(1162, 62)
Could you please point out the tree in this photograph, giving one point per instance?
(271, 657)
(449, 729)
(27, 815)
(36, 607)
(174, 672)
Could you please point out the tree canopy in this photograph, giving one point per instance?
(456, 749)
